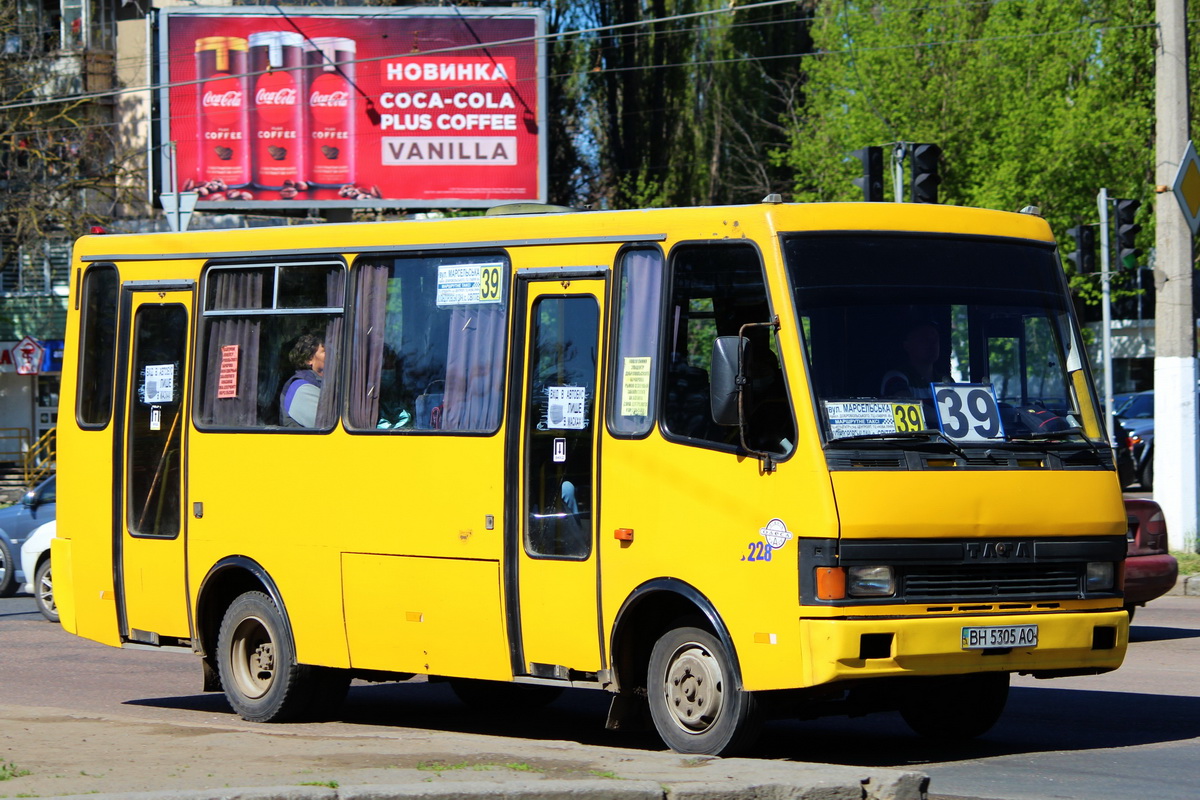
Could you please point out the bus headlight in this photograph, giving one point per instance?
(870, 581)
(1099, 576)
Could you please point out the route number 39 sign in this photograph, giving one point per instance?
(968, 412)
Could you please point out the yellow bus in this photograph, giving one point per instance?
(722, 463)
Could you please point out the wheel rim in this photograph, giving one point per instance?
(694, 688)
(252, 657)
(45, 591)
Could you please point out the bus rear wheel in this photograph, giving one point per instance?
(695, 702)
(956, 707)
(258, 668)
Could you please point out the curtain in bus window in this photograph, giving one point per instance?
(335, 286)
(474, 368)
(641, 297)
(370, 293)
(234, 290)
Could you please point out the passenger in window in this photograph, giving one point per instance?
(301, 392)
(918, 366)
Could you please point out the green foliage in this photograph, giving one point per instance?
(9, 770)
(1033, 102)
(681, 111)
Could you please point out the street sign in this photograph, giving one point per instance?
(178, 208)
(28, 356)
(1187, 187)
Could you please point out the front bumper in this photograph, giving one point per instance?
(1068, 642)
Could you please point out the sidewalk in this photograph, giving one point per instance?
(103, 757)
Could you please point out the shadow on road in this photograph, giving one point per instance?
(1037, 720)
(1148, 633)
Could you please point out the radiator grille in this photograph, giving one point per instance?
(992, 582)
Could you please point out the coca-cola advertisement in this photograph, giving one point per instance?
(414, 107)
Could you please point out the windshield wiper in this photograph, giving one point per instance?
(1076, 431)
(929, 436)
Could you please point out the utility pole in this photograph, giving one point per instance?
(1176, 451)
(1106, 311)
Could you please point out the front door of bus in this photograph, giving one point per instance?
(151, 578)
(557, 489)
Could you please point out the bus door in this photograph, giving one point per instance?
(552, 562)
(149, 468)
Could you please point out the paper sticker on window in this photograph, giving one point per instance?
(469, 284)
(635, 387)
(227, 379)
(859, 419)
(159, 386)
(566, 407)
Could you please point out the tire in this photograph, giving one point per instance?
(43, 591)
(695, 700)
(1148, 474)
(258, 669)
(1130, 609)
(8, 570)
(499, 697)
(956, 707)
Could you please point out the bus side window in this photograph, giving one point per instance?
(638, 326)
(253, 316)
(428, 339)
(97, 353)
(715, 290)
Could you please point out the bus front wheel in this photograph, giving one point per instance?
(695, 702)
(956, 707)
(258, 668)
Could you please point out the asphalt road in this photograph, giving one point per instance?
(1131, 733)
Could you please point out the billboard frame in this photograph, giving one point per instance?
(164, 175)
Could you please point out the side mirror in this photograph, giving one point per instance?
(726, 378)
(30, 499)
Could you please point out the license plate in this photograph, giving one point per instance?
(983, 637)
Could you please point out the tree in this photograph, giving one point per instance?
(1033, 101)
(672, 106)
(59, 168)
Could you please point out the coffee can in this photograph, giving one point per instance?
(277, 113)
(223, 112)
(329, 65)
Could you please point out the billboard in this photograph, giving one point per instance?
(418, 107)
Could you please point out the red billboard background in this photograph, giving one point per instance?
(384, 107)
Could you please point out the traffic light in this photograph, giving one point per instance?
(1127, 230)
(871, 181)
(925, 180)
(1084, 257)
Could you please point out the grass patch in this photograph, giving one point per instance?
(604, 773)
(9, 770)
(1189, 563)
(443, 766)
(329, 784)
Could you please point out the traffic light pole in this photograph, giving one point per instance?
(1106, 312)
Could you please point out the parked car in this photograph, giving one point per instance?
(1150, 571)
(1136, 413)
(35, 562)
(17, 522)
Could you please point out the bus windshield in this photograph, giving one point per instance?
(970, 339)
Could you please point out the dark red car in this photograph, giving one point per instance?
(1150, 570)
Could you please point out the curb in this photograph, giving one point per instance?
(1186, 585)
(838, 783)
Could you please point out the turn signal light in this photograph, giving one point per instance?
(623, 534)
(831, 583)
